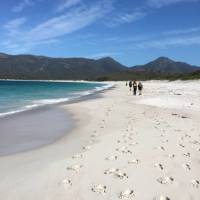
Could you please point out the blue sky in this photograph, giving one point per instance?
(131, 31)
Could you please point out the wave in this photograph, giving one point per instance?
(43, 102)
(25, 108)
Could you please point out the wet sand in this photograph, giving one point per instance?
(33, 129)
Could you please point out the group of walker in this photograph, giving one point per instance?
(135, 86)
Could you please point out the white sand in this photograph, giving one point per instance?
(123, 147)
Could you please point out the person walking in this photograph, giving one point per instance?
(130, 85)
(140, 87)
(134, 87)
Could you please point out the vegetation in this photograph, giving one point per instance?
(46, 68)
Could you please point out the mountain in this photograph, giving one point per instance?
(192, 76)
(41, 67)
(161, 68)
(165, 66)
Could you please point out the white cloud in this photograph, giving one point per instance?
(67, 4)
(12, 27)
(173, 41)
(125, 18)
(22, 5)
(56, 27)
(103, 54)
(182, 31)
(161, 3)
(16, 23)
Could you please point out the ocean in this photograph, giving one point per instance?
(19, 96)
(22, 131)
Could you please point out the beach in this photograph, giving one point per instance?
(120, 147)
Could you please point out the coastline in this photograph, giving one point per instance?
(45, 102)
(117, 131)
(36, 127)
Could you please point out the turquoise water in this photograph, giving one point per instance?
(19, 96)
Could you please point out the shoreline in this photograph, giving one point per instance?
(31, 122)
(57, 101)
(117, 131)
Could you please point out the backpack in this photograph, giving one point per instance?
(140, 86)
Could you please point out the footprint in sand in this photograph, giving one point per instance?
(186, 166)
(194, 142)
(159, 166)
(198, 149)
(165, 180)
(94, 135)
(111, 158)
(133, 143)
(127, 194)
(161, 198)
(75, 168)
(134, 161)
(187, 154)
(195, 183)
(99, 189)
(124, 150)
(181, 145)
(187, 136)
(86, 148)
(171, 156)
(124, 141)
(165, 141)
(116, 173)
(77, 156)
(160, 148)
(67, 183)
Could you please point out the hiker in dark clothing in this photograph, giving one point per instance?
(140, 87)
(130, 85)
(134, 87)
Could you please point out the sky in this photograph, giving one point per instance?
(131, 31)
